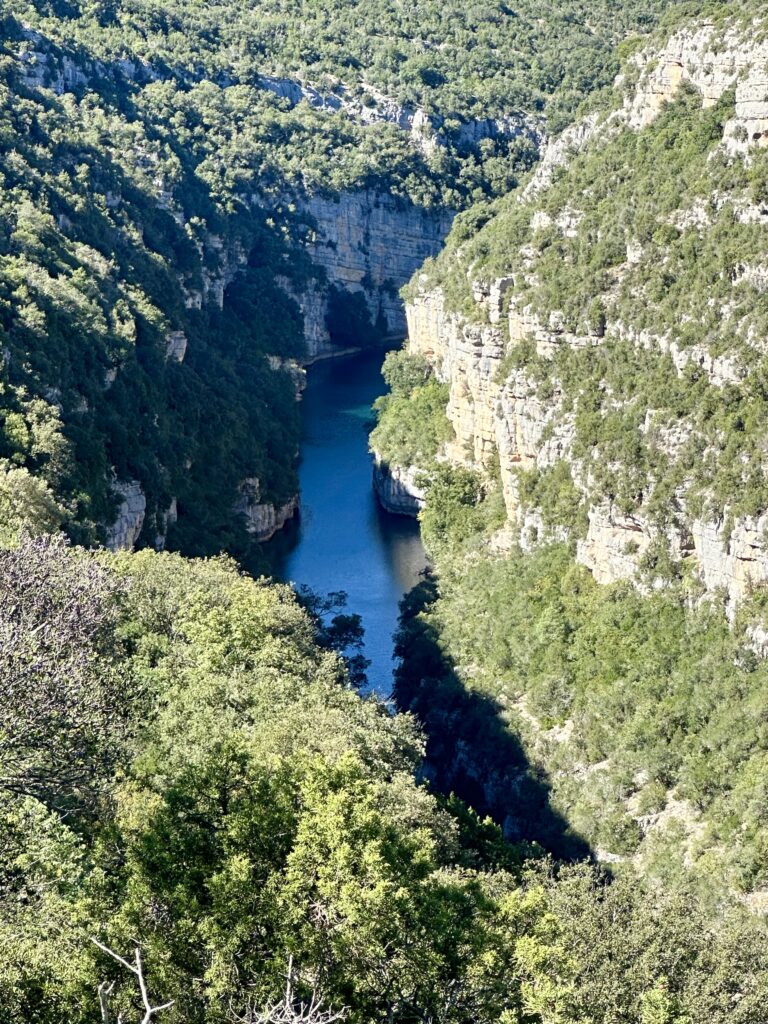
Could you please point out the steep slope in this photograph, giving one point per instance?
(193, 196)
(193, 776)
(626, 336)
(122, 347)
(601, 335)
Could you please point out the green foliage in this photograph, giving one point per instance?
(27, 505)
(553, 492)
(452, 512)
(144, 164)
(349, 320)
(263, 815)
(94, 273)
(649, 255)
(412, 424)
(629, 702)
(404, 372)
(411, 429)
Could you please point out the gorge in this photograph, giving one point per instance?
(384, 512)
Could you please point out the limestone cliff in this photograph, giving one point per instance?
(427, 131)
(397, 488)
(263, 519)
(367, 242)
(124, 531)
(505, 403)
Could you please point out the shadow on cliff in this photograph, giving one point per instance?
(470, 750)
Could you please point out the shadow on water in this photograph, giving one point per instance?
(470, 750)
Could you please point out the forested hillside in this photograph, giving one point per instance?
(153, 155)
(596, 630)
(185, 771)
(202, 821)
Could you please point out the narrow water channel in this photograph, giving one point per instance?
(343, 539)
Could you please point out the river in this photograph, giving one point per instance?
(343, 539)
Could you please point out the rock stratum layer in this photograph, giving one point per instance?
(397, 488)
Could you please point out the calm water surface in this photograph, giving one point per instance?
(344, 540)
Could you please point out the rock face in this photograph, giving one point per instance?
(176, 346)
(489, 416)
(369, 243)
(504, 413)
(733, 560)
(713, 61)
(262, 519)
(396, 488)
(166, 519)
(124, 531)
(427, 131)
(44, 66)
(508, 417)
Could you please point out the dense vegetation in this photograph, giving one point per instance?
(186, 771)
(650, 239)
(94, 278)
(639, 719)
(412, 424)
(628, 719)
(146, 167)
(186, 766)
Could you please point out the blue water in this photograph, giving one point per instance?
(344, 540)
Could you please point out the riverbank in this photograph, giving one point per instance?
(386, 344)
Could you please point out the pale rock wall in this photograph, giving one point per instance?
(712, 61)
(124, 531)
(262, 519)
(397, 489)
(733, 560)
(176, 346)
(43, 67)
(508, 416)
(166, 519)
(370, 243)
(490, 415)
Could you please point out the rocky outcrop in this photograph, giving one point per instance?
(712, 60)
(297, 373)
(427, 131)
(732, 557)
(466, 356)
(491, 416)
(370, 243)
(166, 519)
(124, 531)
(43, 65)
(506, 415)
(397, 489)
(176, 346)
(262, 518)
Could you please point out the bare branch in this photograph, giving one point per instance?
(289, 1011)
(109, 952)
(138, 970)
(105, 991)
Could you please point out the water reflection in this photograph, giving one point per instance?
(344, 540)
